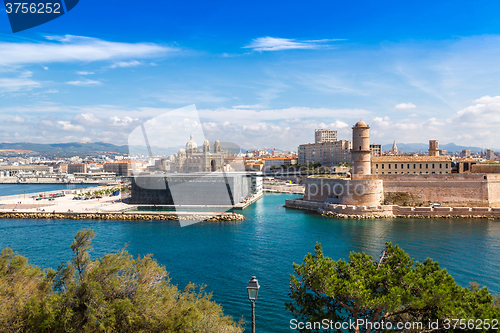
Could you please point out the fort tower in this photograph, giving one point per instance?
(361, 153)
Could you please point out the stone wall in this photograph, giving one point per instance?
(366, 192)
(485, 168)
(471, 190)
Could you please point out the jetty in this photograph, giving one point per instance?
(63, 204)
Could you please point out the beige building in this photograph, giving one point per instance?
(77, 168)
(122, 168)
(326, 149)
(404, 165)
(326, 153)
(376, 149)
(325, 135)
(278, 161)
(490, 154)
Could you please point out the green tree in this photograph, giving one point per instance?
(393, 289)
(114, 293)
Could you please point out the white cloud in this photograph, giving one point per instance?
(254, 106)
(69, 127)
(85, 83)
(125, 121)
(16, 119)
(74, 48)
(125, 64)
(21, 82)
(405, 106)
(279, 44)
(87, 119)
(84, 73)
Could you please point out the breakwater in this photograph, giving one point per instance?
(391, 211)
(148, 216)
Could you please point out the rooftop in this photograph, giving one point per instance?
(396, 159)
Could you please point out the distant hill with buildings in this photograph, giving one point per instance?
(423, 147)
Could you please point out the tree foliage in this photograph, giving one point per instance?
(393, 289)
(114, 293)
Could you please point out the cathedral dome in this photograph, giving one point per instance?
(181, 152)
(360, 124)
(191, 144)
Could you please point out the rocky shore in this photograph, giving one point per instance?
(225, 217)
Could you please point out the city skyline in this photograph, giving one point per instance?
(412, 73)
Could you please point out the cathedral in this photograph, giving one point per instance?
(193, 159)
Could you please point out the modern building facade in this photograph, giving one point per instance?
(212, 188)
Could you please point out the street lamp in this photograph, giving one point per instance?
(253, 290)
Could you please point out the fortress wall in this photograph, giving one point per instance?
(485, 168)
(494, 190)
(344, 191)
(471, 190)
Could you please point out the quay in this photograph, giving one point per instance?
(26, 206)
(391, 211)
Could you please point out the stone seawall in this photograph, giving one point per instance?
(224, 217)
(356, 212)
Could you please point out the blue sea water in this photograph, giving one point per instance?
(266, 244)
(13, 189)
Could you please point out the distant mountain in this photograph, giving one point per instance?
(66, 149)
(424, 147)
(91, 149)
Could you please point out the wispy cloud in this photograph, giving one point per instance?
(17, 119)
(85, 83)
(84, 73)
(405, 106)
(22, 82)
(279, 44)
(75, 48)
(126, 64)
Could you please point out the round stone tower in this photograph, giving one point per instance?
(361, 153)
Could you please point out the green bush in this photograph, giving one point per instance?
(115, 293)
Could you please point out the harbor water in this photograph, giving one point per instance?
(266, 244)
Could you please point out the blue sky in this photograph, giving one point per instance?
(260, 74)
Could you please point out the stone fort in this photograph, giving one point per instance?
(418, 181)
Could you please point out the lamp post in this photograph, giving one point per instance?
(253, 290)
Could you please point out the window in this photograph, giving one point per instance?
(446, 165)
(408, 166)
(402, 166)
(433, 165)
(414, 166)
(395, 166)
(420, 166)
(389, 166)
(382, 167)
(440, 165)
(376, 166)
(427, 166)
